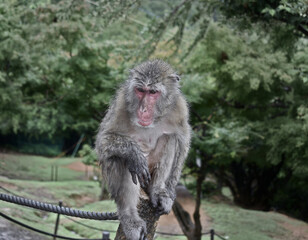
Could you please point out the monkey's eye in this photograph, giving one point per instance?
(153, 91)
(140, 90)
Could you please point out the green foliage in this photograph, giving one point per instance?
(252, 112)
(209, 188)
(293, 13)
(55, 76)
(244, 68)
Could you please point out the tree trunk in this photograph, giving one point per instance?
(253, 186)
(193, 231)
(198, 226)
(147, 213)
(184, 220)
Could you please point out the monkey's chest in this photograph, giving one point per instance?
(152, 145)
(147, 145)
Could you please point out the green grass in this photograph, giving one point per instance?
(36, 167)
(28, 176)
(241, 224)
(76, 194)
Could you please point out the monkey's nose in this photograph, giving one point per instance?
(143, 109)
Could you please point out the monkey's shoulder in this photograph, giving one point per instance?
(179, 116)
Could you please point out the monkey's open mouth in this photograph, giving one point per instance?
(145, 123)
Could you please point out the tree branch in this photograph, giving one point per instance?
(147, 213)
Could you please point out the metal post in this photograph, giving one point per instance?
(56, 173)
(51, 173)
(57, 222)
(212, 232)
(106, 236)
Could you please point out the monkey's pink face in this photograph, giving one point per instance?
(147, 100)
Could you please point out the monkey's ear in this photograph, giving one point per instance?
(131, 72)
(174, 77)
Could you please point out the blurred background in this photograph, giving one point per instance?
(244, 72)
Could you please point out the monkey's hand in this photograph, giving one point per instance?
(161, 200)
(138, 168)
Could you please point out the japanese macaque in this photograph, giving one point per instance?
(142, 142)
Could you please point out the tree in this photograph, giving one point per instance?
(293, 13)
(250, 121)
(90, 159)
(246, 82)
(55, 78)
(244, 66)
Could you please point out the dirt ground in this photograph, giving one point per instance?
(168, 223)
(10, 231)
(299, 231)
(80, 167)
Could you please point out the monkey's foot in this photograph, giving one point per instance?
(161, 203)
(134, 229)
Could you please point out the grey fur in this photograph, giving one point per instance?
(128, 151)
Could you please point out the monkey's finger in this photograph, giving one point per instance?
(154, 202)
(146, 178)
(141, 181)
(162, 212)
(134, 177)
(148, 175)
(159, 213)
(143, 234)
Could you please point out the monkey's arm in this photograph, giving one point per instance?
(114, 147)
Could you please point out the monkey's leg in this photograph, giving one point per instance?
(126, 195)
(167, 172)
(161, 196)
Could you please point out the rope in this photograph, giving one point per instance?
(220, 236)
(177, 234)
(37, 230)
(10, 192)
(68, 212)
(57, 209)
